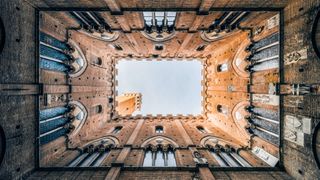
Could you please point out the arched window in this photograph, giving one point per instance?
(93, 154)
(159, 129)
(98, 109)
(222, 109)
(116, 130)
(52, 122)
(159, 26)
(59, 121)
(159, 157)
(222, 67)
(227, 157)
(53, 54)
(201, 129)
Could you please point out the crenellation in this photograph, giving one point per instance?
(61, 111)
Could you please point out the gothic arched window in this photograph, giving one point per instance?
(93, 154)
(159, 157)
(59, 121)
(227, 157)
(52, 122)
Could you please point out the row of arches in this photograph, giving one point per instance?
(160, 151)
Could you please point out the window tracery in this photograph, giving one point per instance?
(94, 153)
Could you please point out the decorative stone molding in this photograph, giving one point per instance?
(78, 115)
(78, 61)
(157, 141)
(106, 142)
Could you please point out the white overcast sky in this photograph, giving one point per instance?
(167, 87)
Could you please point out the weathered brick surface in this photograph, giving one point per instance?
(299, 16)
(18, 66)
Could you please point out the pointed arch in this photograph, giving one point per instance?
(159, 140)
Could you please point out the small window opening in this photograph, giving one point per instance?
(222, 67)
(117, 47)
(98, 61)
(98, 109)
(117, 130)
(159, 129)
(158, 47)
(201, 47)
(222, 109)
(201, 129)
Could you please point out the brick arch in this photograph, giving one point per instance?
(78, 126)
(155, 140)
(238, 115)
(113, 141)
(77, 53)
(239, 62)
(209, 141)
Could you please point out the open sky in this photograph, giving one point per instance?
(167, 87)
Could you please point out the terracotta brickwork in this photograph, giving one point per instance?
(235, 95)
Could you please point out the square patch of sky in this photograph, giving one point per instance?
(167, 87)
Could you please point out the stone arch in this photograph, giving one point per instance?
(79, 63)
(79, 114)
(2, 35)
(107, 36)
(107, 141)
(156, 37)
(239, 62)
(239, 117)
(212, 141)
(159, 140)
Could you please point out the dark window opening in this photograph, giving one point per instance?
(98, 109)
(159, 129)
(201, 47)
(117, 130)
(222, 109)
(98, 61)
(117, 47)
(201, 129)
(158, 47)
(222, 67)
